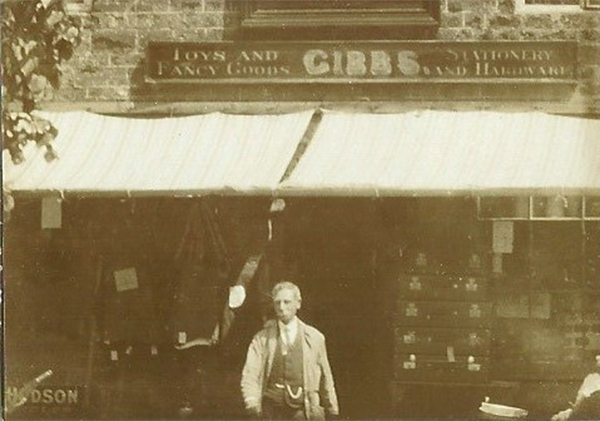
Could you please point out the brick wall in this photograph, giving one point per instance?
(498, 20)
(109, 65)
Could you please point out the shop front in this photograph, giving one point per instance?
(437, 202)
(446, 254)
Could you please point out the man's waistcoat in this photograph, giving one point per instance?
(286, 379)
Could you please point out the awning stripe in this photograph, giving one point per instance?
(443, 152)
(183, 155)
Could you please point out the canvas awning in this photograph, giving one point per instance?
(441, 152)
(184, 155)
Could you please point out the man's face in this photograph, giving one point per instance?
(286, 305)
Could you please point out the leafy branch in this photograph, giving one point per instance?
(37, 36)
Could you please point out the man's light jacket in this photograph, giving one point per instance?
(319, 389)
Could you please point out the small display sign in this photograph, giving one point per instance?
(503, 237)
(126, 279)
(51, 213)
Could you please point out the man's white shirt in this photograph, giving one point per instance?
(292, 331)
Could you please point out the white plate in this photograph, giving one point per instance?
(503, 410)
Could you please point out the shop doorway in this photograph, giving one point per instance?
(331, 248)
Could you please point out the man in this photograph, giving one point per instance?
(587, 403)
(287, 373)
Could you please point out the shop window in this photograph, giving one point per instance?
(560, 231)
(540, 208)
(549, 6)
(339, 19)
(592, 4)
(546, 301)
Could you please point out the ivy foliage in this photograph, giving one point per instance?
(37, 36)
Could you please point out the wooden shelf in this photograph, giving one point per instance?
(536, 371)
(515, 289)
(449, 384)
(492, 384)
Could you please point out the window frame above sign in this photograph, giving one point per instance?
(521, 6)
(75, 7)
(591, 4)
(339, 20)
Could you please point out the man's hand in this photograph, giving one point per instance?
(254, 412)
(563, 415)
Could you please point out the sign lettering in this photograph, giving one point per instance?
(50, 402)
(49, 396)
(364, 62)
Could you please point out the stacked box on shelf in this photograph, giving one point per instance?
(441, 328)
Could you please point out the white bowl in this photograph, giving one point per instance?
(502, 410)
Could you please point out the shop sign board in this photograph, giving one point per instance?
(362, 62)
(50, 402)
